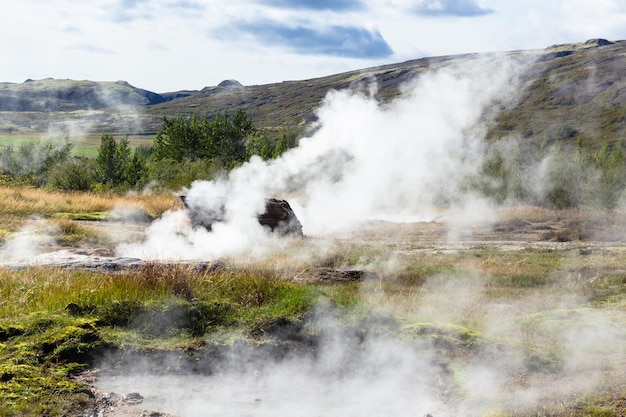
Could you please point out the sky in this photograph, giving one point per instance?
(172, 45)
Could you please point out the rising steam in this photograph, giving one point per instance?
(30, 241)
(365, 161)
(369, 368)
(398, 161)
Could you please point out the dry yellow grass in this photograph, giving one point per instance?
(19, 205)
(536, 214)
(29, 201)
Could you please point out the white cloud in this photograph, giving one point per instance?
(459, 8)
(117, 38)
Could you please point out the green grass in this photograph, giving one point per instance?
(520, 269)
(36, 359)
(85, 145)
(16, 141)
(445, 335)
(53, 321)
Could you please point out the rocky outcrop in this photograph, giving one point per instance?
(278, 215)
(598, 42)
(230, 83)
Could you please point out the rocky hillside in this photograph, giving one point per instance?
(574, 91)
(50, 95)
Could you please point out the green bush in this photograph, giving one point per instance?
(77, 174)
(32, 163)
(551, 176)
(169, 174)
(222, 138)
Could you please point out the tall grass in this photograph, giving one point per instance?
(252, 292)
(24, 201)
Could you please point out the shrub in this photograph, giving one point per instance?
(32, 163)
(221, 139)
(173, 175)
(77, 174)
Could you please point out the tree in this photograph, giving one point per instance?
(222, 138)
(228, 135)
(136, 170)
(182, 138)
(32, 163)
(612, 174)
(565, 177)
(112, 160)
(284, 143)
(259, 144)
(75, 175)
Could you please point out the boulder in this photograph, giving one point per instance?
(278, 215)
(230, 83)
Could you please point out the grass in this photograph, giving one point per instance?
(23, 201)
(526, 268)
(88, 144)
(17, 140)
(20, 205)
(53, 322)
(85, 145)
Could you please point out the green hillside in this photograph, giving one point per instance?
(570, 92)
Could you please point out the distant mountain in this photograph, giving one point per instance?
(50, 95)
(573, 91)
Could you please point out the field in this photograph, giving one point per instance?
(83, 145)
(524, 316)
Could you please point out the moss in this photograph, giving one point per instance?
(10, 330)
(33, 391)
(445, 335)
(93, 216)
(31, 383)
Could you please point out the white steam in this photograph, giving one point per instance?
(30, 241)
(463, 350)
(526, 359)
(365, 161)
(382, 377)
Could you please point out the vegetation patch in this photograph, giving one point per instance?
(95, 216)
(445, 335)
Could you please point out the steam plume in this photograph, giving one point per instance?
(365, 161)
(397, 161)
(28, 242)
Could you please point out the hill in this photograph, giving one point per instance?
(50, 95)
(573, 91)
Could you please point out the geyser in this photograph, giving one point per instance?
(458, 349)
(364, 161)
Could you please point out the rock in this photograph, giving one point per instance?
(230, 83)
(132, 398)
(67, 259)
(329, 275)
(278, 216)
(598, 42)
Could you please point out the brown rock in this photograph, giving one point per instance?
(278, 216)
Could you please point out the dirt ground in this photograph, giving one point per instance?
(515, 229)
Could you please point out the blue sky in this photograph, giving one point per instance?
(167, 45)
